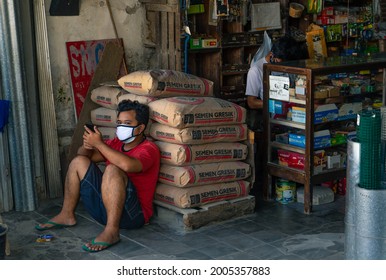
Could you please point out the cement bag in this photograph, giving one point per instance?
(104, 117)
(165, 83)
(199, 135)
(140, 98)
(200, 195)
(184, 111)
(106, 96)
(203, 174)
(108, 117)
(107, 132)
(183, 154)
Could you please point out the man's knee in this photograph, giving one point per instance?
(114, 172)
(80, 162)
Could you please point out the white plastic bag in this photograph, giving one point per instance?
(264, 49)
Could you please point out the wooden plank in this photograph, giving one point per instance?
(163, 41)
(162, 8)
(177, 41)
(194, 218)
(106, 70)
(153, 1)
(172, 29)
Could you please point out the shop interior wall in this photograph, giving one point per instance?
(93, 23)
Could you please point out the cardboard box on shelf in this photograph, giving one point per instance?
(321, 139)
(320, 161)
(326, 113)
(333, 161)
(298, 114)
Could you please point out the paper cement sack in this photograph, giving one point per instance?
(104, 117)
(200, 195)
(184, 111)
(184, 154)
(165, 83)
(107, 132)
(140, 98)
(106, 96)
(200, 134)
(203, 174)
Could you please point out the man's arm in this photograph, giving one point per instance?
(254, 102)
(92, 141)
(124, 162)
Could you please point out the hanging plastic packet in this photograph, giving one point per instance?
(264, 49)
(314, 6)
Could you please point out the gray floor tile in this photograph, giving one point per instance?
(273, 232)
(266, 252)
(217, 250)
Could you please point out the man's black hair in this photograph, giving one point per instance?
(141, 110)
(287, 48)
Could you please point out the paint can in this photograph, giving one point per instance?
(285, 191)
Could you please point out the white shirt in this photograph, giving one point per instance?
(255, 79)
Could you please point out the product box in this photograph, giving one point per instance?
(320, 161)
(195, 43)
(291, 159)
(320, 93)
(209, 43)
(349, 110)
(196, 9)
(276, 107)
(282, 138)
(333, 91)
(298, 114)
(333, 161)
(326, 113)
(321, 139)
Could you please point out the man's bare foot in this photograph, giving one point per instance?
(58, 221)
(103, 241)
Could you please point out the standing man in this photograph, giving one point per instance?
(283, 49)
(121, 196)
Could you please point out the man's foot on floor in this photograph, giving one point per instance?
(51, 225)
(97, 246)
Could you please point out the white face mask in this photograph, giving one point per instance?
(125, 133)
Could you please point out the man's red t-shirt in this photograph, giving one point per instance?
(145, 182)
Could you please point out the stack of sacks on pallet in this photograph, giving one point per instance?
(143, 86)
(201, 150)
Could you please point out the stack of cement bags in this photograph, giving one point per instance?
(202, 157)
(143, 86)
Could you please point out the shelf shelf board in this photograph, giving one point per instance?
(297, 100)
(298, 175)
(230, 73)
(204, 50)
(285, 172)
(288, 123)
(288, 147)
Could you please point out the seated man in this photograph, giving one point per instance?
(121, 196)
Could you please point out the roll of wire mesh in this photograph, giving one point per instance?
(383, 147)
(369, 135)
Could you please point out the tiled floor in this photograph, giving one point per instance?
(274, 231)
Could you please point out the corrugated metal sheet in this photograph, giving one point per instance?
(47, 106)
(14, 88)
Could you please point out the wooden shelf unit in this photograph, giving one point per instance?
(311, 69)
